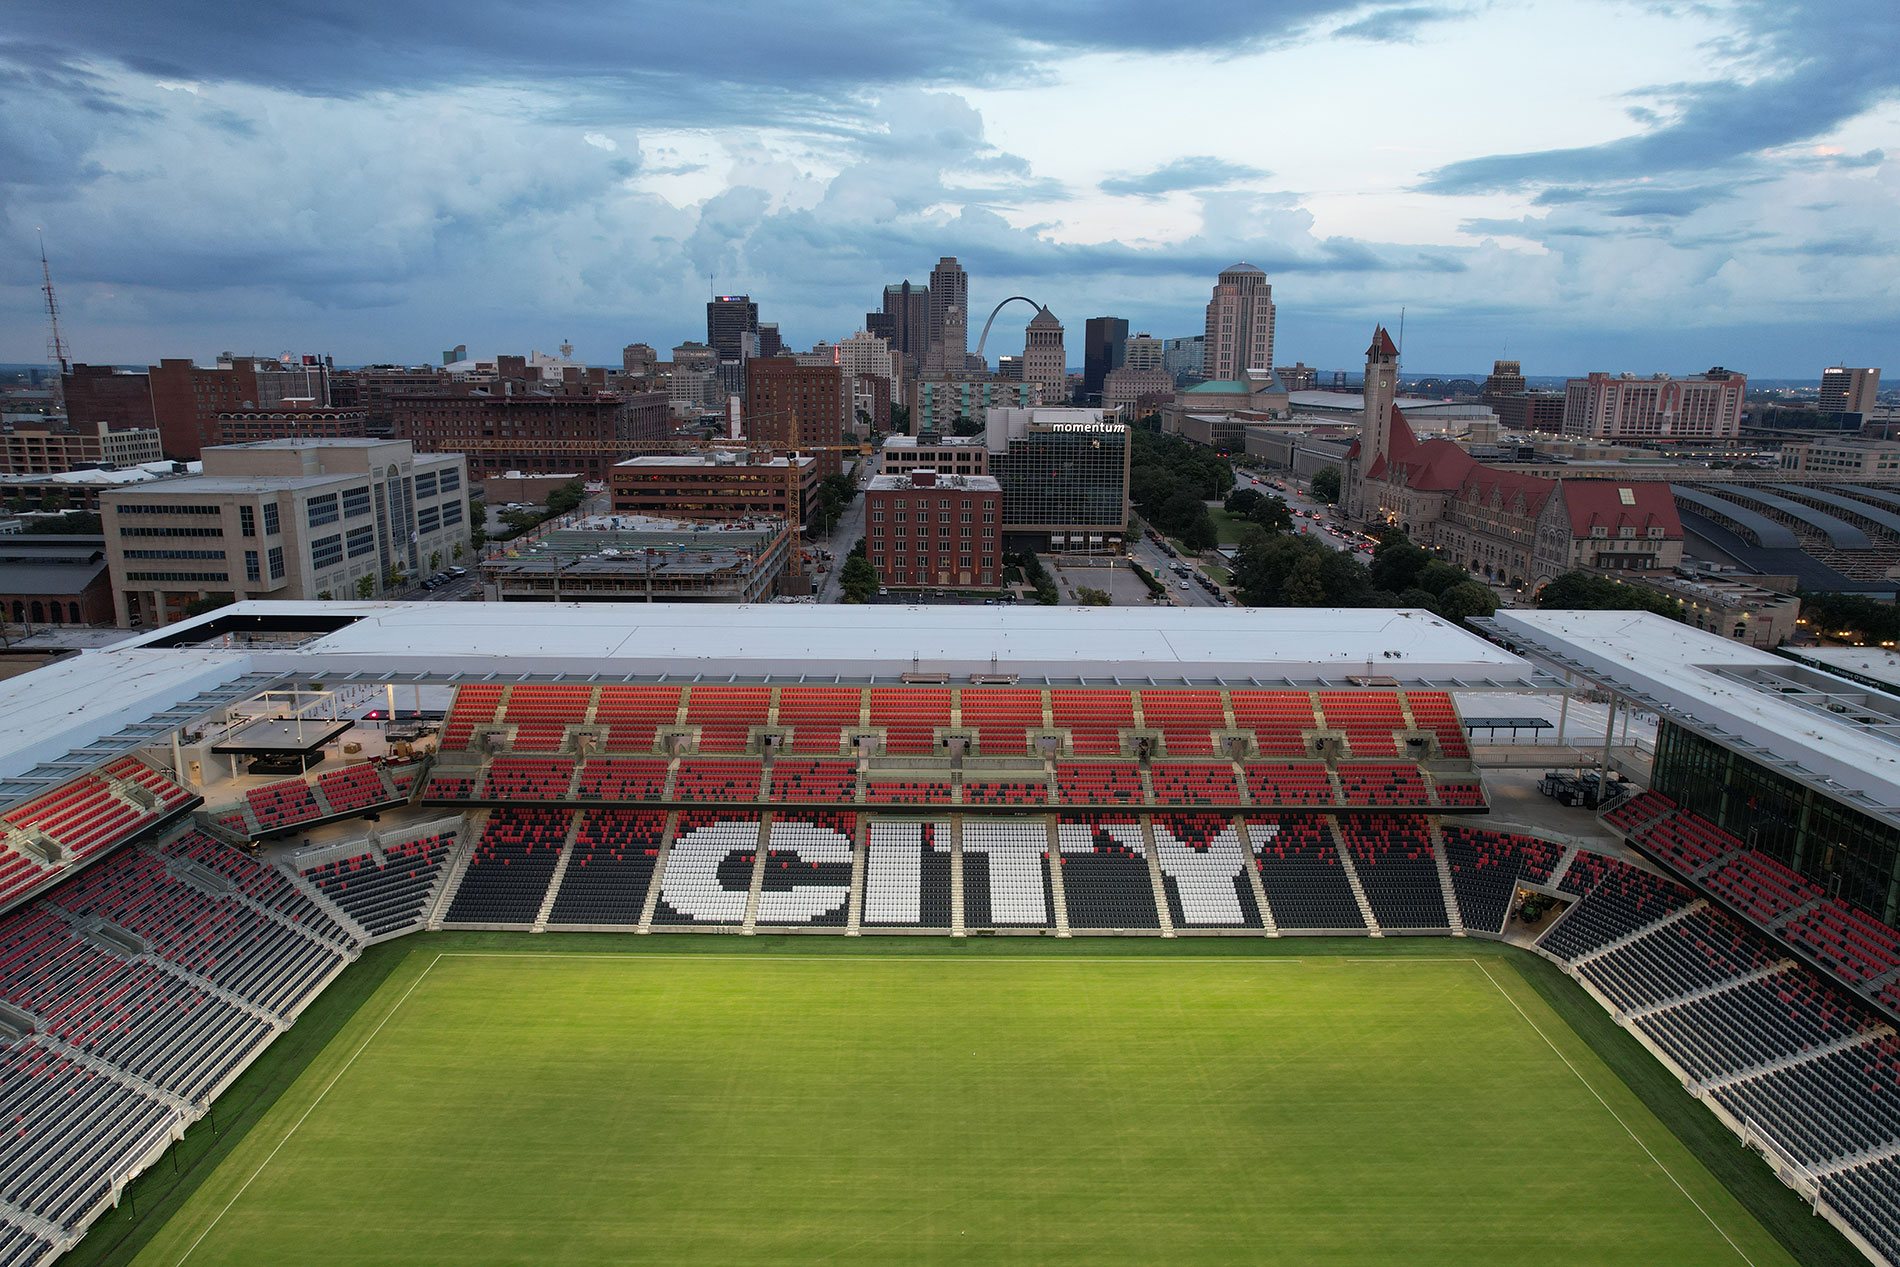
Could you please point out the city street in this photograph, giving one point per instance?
(1149, 555)
(843, 535)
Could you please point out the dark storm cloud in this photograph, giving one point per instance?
(1818, 63)
(657, 55)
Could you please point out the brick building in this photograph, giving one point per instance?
(718, 485)
(49, 579)
(503, 429)
(293, 421)
(923, 530)
(120, 399)
(1508, 528)
(1626, 407)
(791, 406)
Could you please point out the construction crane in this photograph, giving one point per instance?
(55, 344)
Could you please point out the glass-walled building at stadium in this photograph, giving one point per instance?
(1796, 760)
(1849, 853)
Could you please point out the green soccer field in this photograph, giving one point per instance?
(909, 1104)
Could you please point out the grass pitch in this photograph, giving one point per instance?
(903, 1102)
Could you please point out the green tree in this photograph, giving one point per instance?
(1853, 618)
(72, 523)
(366, 587)
(435, 560)
(1465, 600)
(858, 580)
(207, 603)
(1439, 576)
(1200, 532)
(1397, 561)
(1090, 597)
(1586, 591)
(1305, 587)
(1243, 502)
(566, 499)
(900, 418)
(1272, 514)
(965, 426)
(1326, 485)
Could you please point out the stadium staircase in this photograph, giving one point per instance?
(1352, 877)
(1806, 1056)
(124, 1077)
(1160, 888)
(1696, 996)
(1052, 861)
(1444, 882)
(458, 868)
(761, 852)
(328, 906)
(854, 920)
(1637, 934)
(560, 873)
(957, 926)
(659, 875)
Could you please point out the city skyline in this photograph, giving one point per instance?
(1624, 187)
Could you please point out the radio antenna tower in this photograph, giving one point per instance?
(55, 345)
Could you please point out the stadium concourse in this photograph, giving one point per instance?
(170, 900)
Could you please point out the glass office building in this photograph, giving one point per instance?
(1065, 484)
(1849, 853)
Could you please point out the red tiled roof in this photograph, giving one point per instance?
(1440, 466)
(1381, 344)
(1607, 504)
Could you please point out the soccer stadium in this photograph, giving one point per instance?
(382, 932)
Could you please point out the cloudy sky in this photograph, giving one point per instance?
(1577, 183)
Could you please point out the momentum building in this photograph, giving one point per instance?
(291, 519)
(1063, 475)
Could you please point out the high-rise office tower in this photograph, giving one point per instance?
(1849, 391)
(638, 359)
(948, 336)
(1506, 379)
(791, 406)
(1143, 352)
(905, 321)
(729, 319)
(1043, 362)
(1239, 324)
(1104, 344)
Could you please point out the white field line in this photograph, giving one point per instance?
(1613, 1113)
(635, 957)
(334, 1078)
